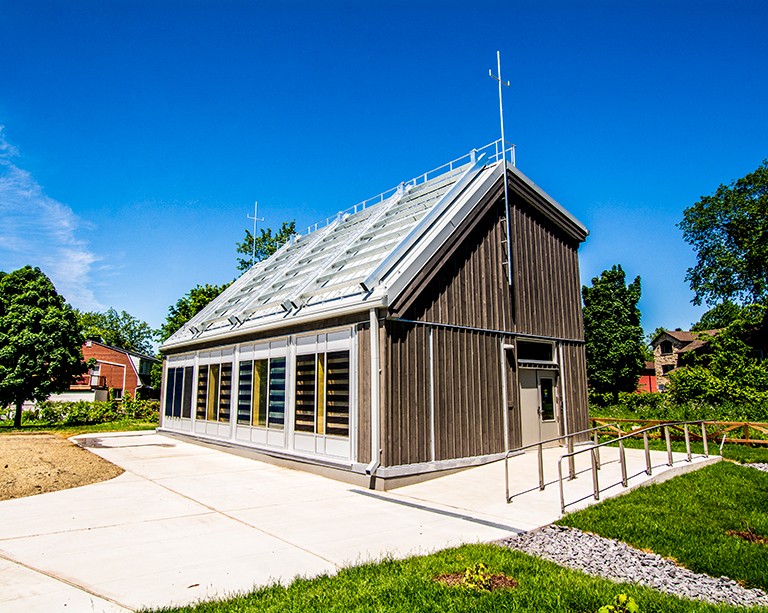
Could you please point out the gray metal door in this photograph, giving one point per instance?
(538, 406)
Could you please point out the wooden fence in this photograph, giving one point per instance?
(752, 433)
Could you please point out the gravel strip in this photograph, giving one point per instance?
(759, 466)
(618, 561)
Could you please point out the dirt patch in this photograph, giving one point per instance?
(37, 463)
(748, 535)
(493, 582)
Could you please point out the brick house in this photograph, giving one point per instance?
(117, 369)
(669, 346)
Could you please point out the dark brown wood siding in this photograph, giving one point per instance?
(406, 409)
(546, 276)
(468, 400)
(462, 294)
(574, 373)
(466, 283)
(363, 393)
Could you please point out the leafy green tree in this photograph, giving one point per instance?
(266, 244)
(40, 340)
(614, 337)
(187, 307)
(727, 377)
(180, 313)
(719, 316)
(729, 232)
(118, 329)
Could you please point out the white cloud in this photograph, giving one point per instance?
(40, 231)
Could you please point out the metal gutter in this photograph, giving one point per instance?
(375, 401)
(296, 320)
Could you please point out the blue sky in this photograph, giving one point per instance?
(136, 135)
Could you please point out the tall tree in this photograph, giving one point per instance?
(266, 244)
(187, 306)
(614, 337)
(729, 232)
(719, 316)
(118, 329)
(40, 339)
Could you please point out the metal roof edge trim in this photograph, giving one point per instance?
(402, 249)
(349, 309)
(437, 236)
(578, 229)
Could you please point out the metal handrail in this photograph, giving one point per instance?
(595, 451)
(568, 437)
(494, 150)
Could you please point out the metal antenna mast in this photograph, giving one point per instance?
(504, 158)
(256, 219)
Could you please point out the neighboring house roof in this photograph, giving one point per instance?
(141, 356)
(688, 339)
(364, 257)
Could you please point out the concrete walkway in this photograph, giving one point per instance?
(186, 522)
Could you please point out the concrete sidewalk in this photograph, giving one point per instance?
(186, 522)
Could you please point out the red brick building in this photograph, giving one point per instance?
(116, 369)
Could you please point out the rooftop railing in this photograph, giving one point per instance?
(493, 152)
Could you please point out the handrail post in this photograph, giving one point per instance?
(669, 446)
(704, 438)
(560, 480)
(596, 455)
(647, 453)
(541, 466)
(571, 460)
(687, 442)
(595, 483)
(623, 460)
(506, 475)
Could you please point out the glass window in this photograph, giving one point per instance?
(170, 385)
(202, 391)
(252, 393)
(186, 403)
(276, 393)
(666, 348)
(225, 391)
(322, 393)
(305, 393)
(539, 352)
(547, 391)
(213, 391)
(178, 391)
(244, 392)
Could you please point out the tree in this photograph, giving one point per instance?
(719, 316)
(614, 337)
(187, 307)
(118, 329)
(180, 313)
(40, 340)
(729, 232)
(727, 381)
(266, 244)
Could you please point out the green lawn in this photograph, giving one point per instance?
(408, 586)
(687, 518)
(6, 427)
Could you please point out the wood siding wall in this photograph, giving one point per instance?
(465, 286)
(574, 373)
(468, 394)
(405, 420)
(466, 390)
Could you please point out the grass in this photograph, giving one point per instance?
(409, 586)
(687, 518)
(6, 427)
